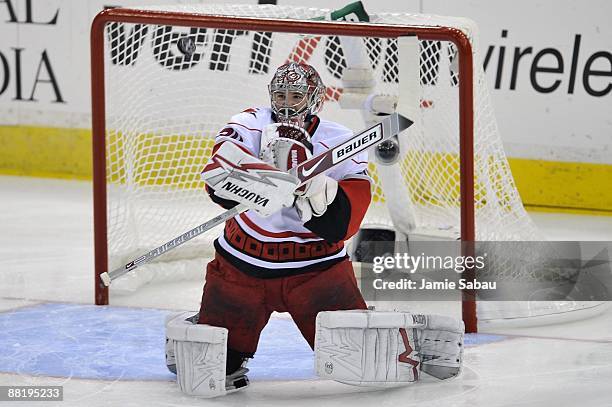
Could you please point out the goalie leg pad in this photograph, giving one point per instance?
(366, 348)
(385, 349)
(441, 347)
(170, 357)
(200, 353)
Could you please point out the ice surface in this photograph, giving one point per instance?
(118, 343)
(112, 356)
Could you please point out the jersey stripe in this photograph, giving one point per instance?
(243, 126)
(275, 265)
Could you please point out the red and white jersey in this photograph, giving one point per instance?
(280, 244)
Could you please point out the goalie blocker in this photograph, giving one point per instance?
(386, 349)
(234, 174)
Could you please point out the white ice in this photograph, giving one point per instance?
(46, 256)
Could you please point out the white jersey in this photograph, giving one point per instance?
(280, 241)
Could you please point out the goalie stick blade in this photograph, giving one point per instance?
(394, 124)
(403, 123)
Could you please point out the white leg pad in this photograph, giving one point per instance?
(441, 346)
(200, 352)
(386, 349)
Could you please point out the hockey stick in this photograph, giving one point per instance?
(381, 131)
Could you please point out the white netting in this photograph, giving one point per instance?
(164, 106)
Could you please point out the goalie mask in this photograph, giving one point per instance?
(296, 91)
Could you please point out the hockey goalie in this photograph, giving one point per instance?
(286, 253)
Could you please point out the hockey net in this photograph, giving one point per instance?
(173, 76)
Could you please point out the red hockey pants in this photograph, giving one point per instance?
(243, 304)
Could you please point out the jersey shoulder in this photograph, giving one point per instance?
(253, 119)
(245, 128)
(330, 133)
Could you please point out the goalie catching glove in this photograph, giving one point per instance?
(285, 146)
(236, 175)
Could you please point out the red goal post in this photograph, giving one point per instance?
(186, 19)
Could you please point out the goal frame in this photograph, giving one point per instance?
(435, 33)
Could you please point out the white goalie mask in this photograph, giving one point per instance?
(296, 91)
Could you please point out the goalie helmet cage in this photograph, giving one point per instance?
(153, 120)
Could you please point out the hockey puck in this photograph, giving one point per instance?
(387, 152)
(186, 45)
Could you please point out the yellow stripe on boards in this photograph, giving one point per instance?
(577, 187)
(176, 160)
(170, 160)
(45, 152)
